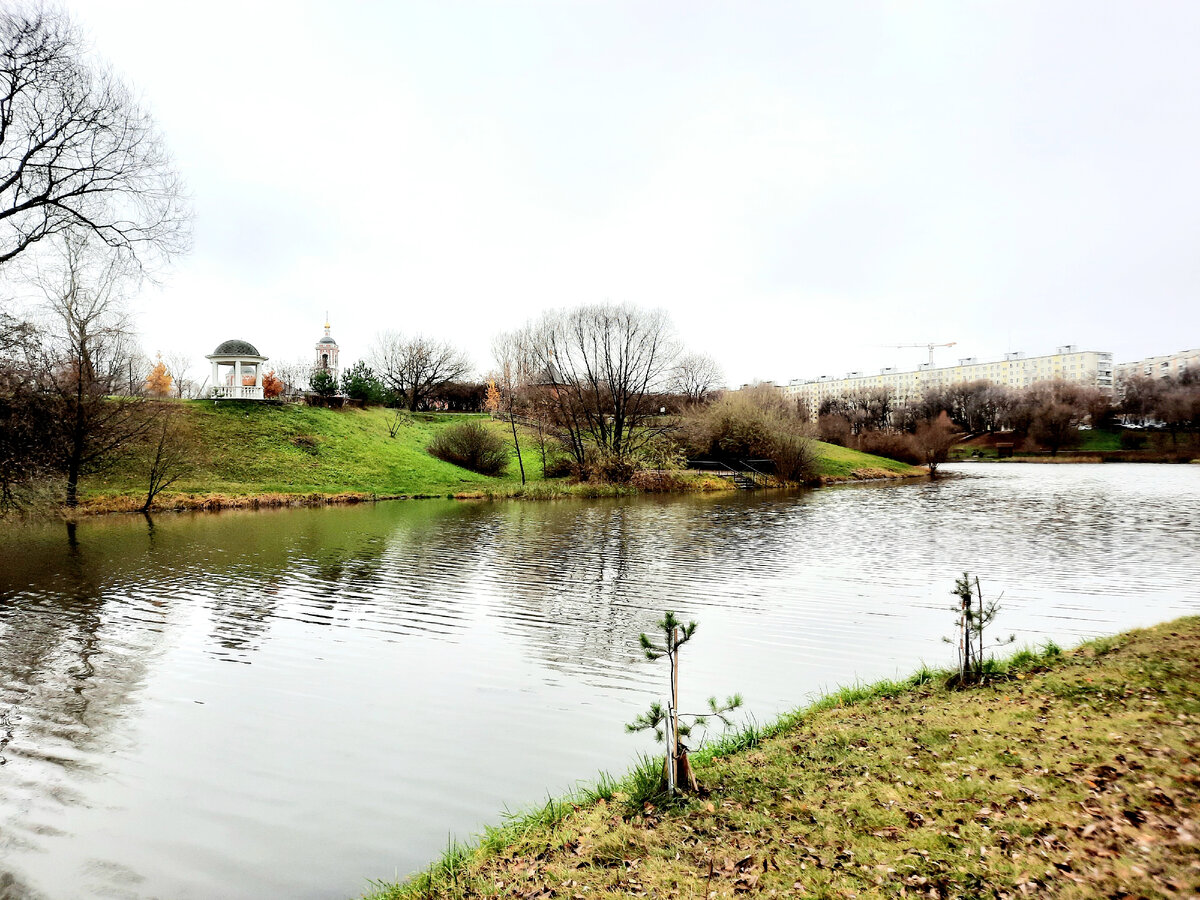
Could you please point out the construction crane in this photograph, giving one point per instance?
(929, 347)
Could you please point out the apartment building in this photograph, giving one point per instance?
(1160, 366)
(1093, 368)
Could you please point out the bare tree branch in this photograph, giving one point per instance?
(600, 368)
(696, 376)
(77, 152)
(415, 367)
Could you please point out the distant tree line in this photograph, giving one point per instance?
(1050, 413)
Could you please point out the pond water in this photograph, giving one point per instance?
(291, 703)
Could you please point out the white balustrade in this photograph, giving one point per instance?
(237, 392)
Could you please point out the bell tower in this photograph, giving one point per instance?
(327, 352)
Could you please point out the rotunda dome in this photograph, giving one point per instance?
(236, 348)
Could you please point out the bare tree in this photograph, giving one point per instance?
(933, 441)
(294, 376)
(515, 378)
(600, 367)
(168, 453)
(178, 365)
(415, 367)
(696, 376)
(77, 153)
(866, 409)
(86, 363)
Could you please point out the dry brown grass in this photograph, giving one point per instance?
(871, 474)
(196, 502)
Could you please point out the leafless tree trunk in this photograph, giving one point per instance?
(77, 153)
(88, 361)
(169, 453)
(416, 367)
(513, 378)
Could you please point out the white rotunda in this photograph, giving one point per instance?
(242, 378)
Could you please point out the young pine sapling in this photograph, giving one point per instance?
(670, 725)
(974, 615)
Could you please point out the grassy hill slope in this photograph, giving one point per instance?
(841, 463)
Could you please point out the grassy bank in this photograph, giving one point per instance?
(1110, 443)
(253, 454)
(1071, 775)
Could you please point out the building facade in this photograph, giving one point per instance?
(1092, 368)
(1169, 366)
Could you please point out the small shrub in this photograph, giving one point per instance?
(794, 458)
(559, 466)
(472, 446)
(323, 383)
(1132, 440)
(272, 386)
(359, 382)
(307, 443)
(834, 429)
(604, 468)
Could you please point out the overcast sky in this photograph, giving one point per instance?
(798, 184)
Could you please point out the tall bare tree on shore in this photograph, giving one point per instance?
(168, 450)
(600, 368)
(513, 378)
(86, 362)
(415, 367)
(77, 152)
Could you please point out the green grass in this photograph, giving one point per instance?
(1098, 439)
(257, 450)
(841, 462)
(1068, 774)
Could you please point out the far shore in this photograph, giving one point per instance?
(686, 482)
(250, 456)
